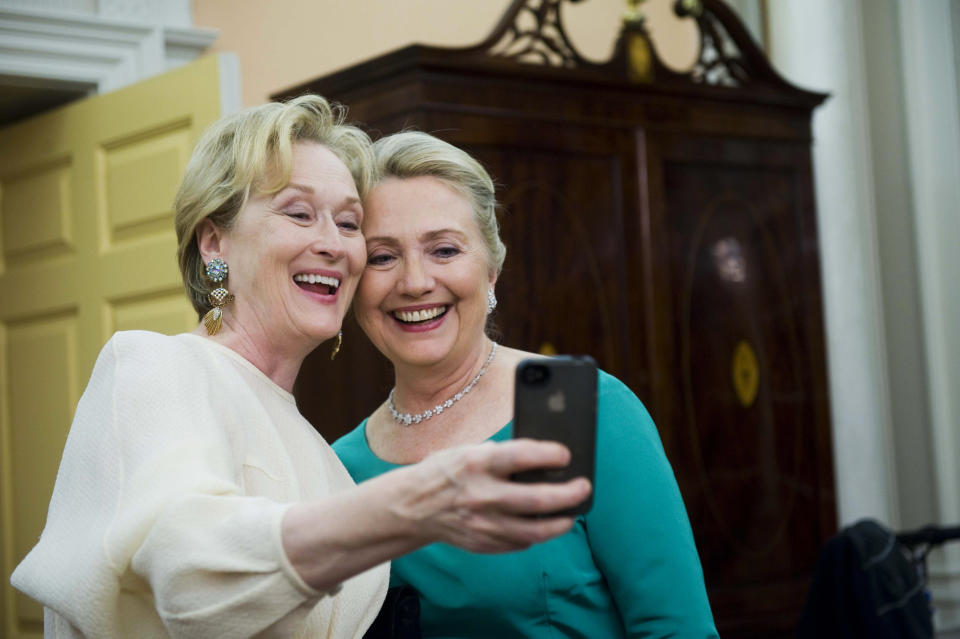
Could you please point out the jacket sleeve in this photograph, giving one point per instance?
(638, 529)
(149, 508)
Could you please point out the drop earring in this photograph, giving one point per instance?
(336, 346)
(219, 297)
(491, 301)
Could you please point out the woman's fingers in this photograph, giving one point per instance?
(539, 499)
(484, 472)
(500, 532)
(510, 533)
(518, 455)
(468, 499)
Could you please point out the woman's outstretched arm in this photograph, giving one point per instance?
(460, 496)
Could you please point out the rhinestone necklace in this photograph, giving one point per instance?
(405, 419)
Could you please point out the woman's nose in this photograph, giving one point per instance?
(415, 279)
(328, 241)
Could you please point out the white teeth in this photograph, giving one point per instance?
(313, 278)
(421, 315)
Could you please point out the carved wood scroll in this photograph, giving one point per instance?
(532, 32)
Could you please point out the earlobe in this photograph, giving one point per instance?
(209, 237)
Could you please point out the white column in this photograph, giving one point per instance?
(932, 107)
(818, 44)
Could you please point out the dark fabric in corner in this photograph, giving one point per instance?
(866, 585)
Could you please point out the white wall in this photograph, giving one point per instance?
(887, 166)
(932, 107)
(916, 492)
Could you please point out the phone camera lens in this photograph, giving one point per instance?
(535, 374)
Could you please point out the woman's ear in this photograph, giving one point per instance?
(209, 237)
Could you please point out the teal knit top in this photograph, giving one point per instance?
(628, 568)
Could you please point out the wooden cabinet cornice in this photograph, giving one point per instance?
(664, 223)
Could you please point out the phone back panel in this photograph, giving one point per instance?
(556, 399)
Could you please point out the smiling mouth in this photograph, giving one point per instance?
(322, 284)
(419, 316)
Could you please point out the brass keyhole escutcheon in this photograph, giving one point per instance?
(746, 373)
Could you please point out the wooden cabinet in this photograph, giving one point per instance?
(663, 223)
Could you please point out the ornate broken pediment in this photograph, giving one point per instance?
(532, 32)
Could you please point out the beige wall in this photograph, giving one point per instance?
(285, 42)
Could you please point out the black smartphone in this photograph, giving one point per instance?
(555, 398)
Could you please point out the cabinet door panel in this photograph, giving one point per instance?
(739, 265)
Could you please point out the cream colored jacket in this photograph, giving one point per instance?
(165, 518)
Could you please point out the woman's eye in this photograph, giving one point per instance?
(298, 215)
(349, 225)
(446, 251)
(379, 259)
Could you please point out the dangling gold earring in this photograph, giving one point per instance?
(336, 346)
(219, 297)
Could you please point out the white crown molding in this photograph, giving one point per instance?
(96, 51)
(169, 13)
(185, 44)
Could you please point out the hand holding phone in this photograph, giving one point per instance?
(556, 399)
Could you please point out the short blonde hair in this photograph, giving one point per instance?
(251, 152)
(414, 154)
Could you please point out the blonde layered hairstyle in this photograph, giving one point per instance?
(414, 154)
(250, 152)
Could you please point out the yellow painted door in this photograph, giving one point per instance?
(87, 248)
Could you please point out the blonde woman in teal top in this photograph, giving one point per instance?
(629, 567)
